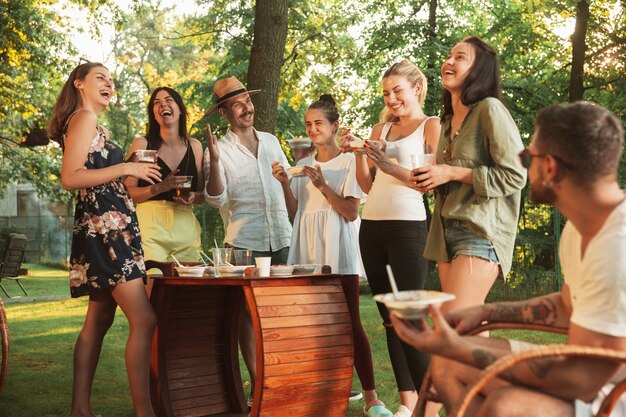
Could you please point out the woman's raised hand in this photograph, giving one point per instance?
(147, 172)
(170, 182)
(379, 157)
(345, 137)
(278, 171)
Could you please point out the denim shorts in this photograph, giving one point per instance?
(461, 242)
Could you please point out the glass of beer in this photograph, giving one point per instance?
(146, 155)
(183, 188)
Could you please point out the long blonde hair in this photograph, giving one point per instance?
(412, 73)
(68, 101)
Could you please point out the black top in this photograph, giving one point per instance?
(186, 166)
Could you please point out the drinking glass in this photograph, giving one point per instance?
(183, 189)
(221, 256)
(422, 160)
(146, 155)
(243, 257)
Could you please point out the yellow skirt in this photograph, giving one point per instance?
(168, 228)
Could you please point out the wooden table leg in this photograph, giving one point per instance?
(307, 350)
(194, 370)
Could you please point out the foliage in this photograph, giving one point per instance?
(30, 76)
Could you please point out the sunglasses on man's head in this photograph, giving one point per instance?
(526, 158)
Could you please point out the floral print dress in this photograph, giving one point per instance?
(106, 243)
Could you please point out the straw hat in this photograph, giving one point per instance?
(227, 88)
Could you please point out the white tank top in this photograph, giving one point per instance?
(389, 198)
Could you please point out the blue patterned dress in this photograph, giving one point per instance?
(106, 243)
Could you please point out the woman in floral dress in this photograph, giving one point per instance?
(106, 261)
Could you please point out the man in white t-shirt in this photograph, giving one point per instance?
(572, 164)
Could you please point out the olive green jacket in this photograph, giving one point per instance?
(489, 143)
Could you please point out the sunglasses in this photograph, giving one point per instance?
(526, 158)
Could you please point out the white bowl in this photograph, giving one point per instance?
(281, 270)
(299, 143)
(190, 271)
(297, 171)
(304, 269)
(413, 304)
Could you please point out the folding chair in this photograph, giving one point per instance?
(12, 260)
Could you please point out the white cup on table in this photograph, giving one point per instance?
(263, 265)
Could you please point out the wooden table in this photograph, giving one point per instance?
(303, 341)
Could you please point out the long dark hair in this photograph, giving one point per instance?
(153, 132)
(482, 81)
(68, 101)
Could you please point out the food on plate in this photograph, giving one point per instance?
(297, 171)
(358, 146)
(251, 272)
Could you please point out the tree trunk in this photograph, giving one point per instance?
(579, 47)
(266, 60)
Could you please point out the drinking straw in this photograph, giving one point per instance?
(176, 260)
(204, 255)
(202, 258)
(392, 281)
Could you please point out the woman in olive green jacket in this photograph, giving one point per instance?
(477, 179)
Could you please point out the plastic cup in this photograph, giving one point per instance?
(221, 256)
(263, 265)
(183, 189)
(422, 160)
(242, 257)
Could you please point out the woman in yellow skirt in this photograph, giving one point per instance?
(164, 210)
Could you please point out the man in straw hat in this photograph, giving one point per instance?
(573, 157)
(239, 181)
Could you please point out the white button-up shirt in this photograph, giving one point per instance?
(252, 204)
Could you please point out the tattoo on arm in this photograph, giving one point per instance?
(509, 376)
(541, 367)
(507, 312)
(483, 358)
(544, 311)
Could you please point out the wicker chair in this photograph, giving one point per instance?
(510, 361)
(428, 394)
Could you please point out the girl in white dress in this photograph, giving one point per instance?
(324, 203)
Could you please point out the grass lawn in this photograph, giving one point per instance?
(43, 333)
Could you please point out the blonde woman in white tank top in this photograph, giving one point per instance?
(393, 228)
